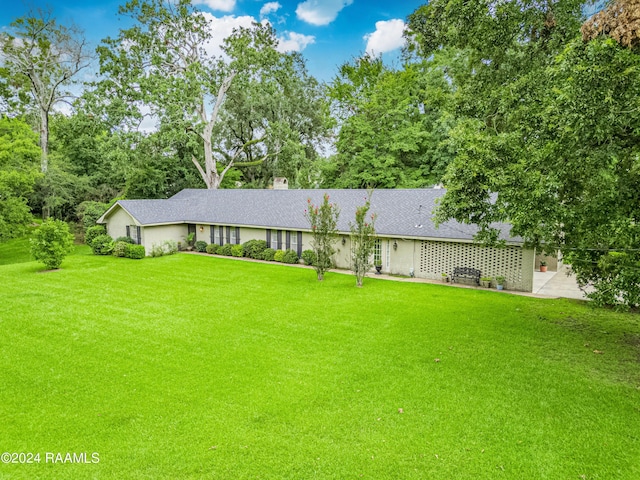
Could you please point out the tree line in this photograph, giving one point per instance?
(526, 111)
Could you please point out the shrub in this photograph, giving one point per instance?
(290, 256)
(125, 239)
(120, 248)
(156, 250)
(237, 250)
(93, 232)
(88, 212)
(135, 251)
(309, 257)
(278, 255)
(51, 242)
(102, 245)
(254, 248)
(212, 248)
(268, 254)
(201, 246)
(168, 247)
(226, 250)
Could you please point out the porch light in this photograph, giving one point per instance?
(344, 241)
(201, 229)
(395, 245)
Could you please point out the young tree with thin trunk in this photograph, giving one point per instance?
(363, 239)
(324, 221)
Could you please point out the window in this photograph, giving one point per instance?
(388, 254)
(294, 241)
(133, 232)
(274, 239)
(234, 237)
(377, 253)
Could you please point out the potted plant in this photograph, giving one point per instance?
(543, 266)
(485, 282)
(445, 277)
(190, 240)
(378, 265)
(500, 282)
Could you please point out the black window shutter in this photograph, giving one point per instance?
(212, 233)
(228, 234)
(221, 234)
(138, 240)
(128, 231)
(238, 235)
(279, 239)
(268, 238)
(299, 252)
(288, 238)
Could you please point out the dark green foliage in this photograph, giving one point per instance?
(125, 239)
(51, 242)
(212, 248)
(309, 257)
(93, 232)
(226, 250)
(278, 255)
(135, 251)
(201, 246)
(120, 249)
(237, 250)
(102, 245)
(19, 160)
(290, 256)
(254, 248)
(268, 254)
(88, 212)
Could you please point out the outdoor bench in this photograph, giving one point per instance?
(467, 273)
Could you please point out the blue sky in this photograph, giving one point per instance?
(327, 32)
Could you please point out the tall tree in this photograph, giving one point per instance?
(19, 154)
(391, 125)
(546, 135)
(41, 59)
(162, 64)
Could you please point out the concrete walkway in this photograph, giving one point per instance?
(545, 284)
(557, 284)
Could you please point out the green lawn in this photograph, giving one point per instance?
(204, 367)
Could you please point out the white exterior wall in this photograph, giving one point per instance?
(155, 235)
(117, 223)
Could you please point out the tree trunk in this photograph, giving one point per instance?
(44, 157)
(44, 140)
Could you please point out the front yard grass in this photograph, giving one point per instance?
(188, 367)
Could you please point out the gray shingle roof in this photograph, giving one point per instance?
(400, 213)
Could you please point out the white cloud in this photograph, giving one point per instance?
(320, 12)
(387, 37)
(268, 8)
(295, 43)
(221, 28)
(220, 5)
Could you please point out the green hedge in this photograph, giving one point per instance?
(102, 245)
(290, 256)
(201, 246)
(136, 251)
(212, 248)
(268, 254)
(226, 250)
(309, 257)
(254, 248)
